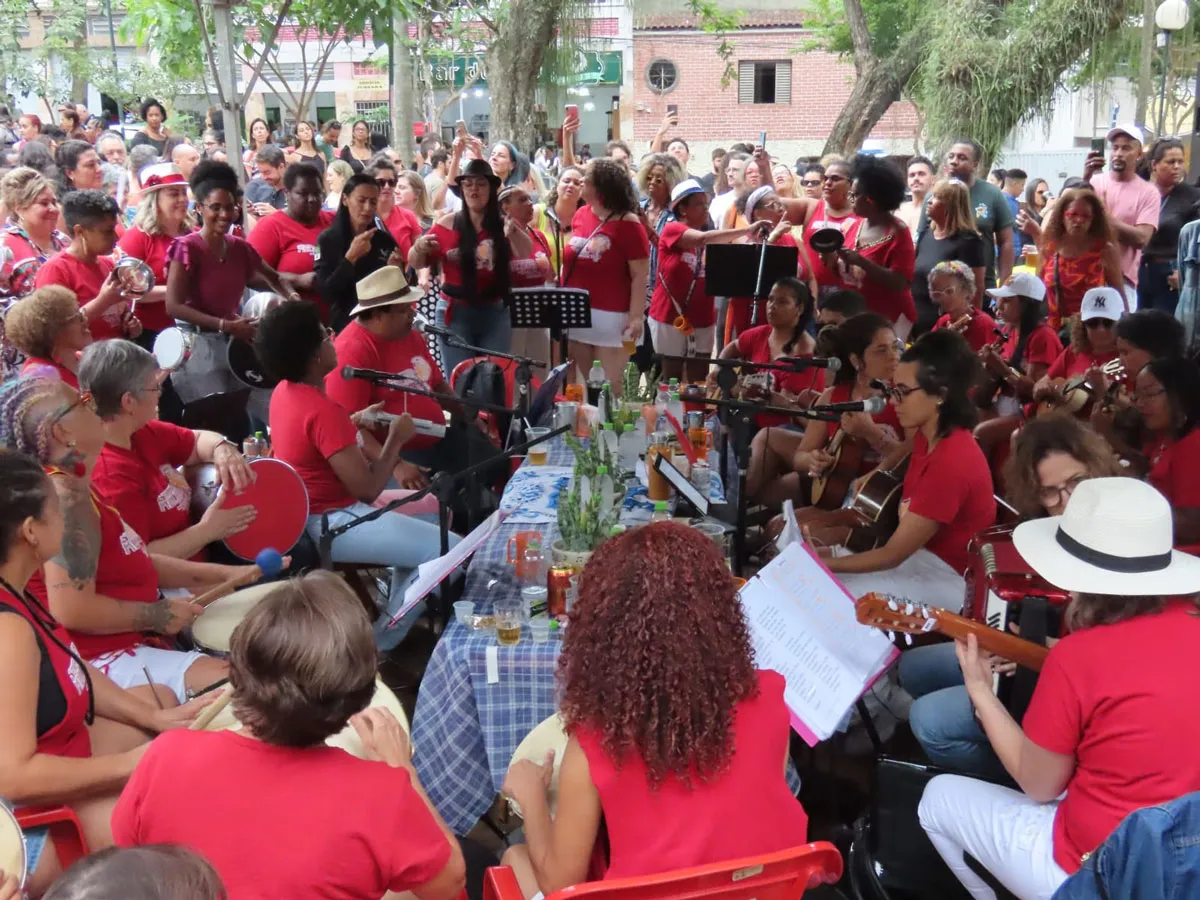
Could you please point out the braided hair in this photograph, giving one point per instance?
(27, 406)
(26, 489)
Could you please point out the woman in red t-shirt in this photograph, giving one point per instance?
(530, 267)
(162, 216)
(1093, 346)
(68, 734)
(673, 736)
(609, 256)
(49, 329)
(302, 666)
(947, 495)
(1098, 740)
(140, 469)
(475, 254)
(785, 336)
(679, 290)
(31, 232)
(868, 351)
(834, 209)
(288, 242)
(952, 287)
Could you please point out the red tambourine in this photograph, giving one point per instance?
(281, 499)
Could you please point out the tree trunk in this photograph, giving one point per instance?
(514, 61)
(1146, 62)
(879, 84)
(402, 90)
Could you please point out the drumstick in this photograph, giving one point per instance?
(268, 562)
(211, 711)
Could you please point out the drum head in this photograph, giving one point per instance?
(213, 628)
(246, 368)
(170, 349)
(548, 735)
(12, 846)
(281, 499)
(347, 739)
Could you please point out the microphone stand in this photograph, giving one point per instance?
(737, 417)
(442, 486)
(794, 365)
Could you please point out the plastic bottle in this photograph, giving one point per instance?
(264, 446)
(533, 564)
(604, 486)
(595, 383)
(660, 404)
(608, 434)
(660, 514)
(631, 444)
(675, 408)
(250, 447)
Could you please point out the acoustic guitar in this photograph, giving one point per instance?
(880, 611)
(829, 490)
(1077, 395)
(876, 506)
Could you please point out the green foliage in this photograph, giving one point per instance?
(584, 526)
(638, 388)
(888, 21)
(719, 23)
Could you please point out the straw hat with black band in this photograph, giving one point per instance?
(383, 287)
(1115, 537)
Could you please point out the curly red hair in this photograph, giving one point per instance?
(657, 656)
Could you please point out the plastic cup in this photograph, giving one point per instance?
(463, 610)
(508, 615)
(539, 627)
(541, 452)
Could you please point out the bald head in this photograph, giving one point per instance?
(185, 157)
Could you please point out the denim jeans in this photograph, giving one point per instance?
(487, 326)
(395, 540)
(1153, 292)
(942, 717)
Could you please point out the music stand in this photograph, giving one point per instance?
(747, 270)
(559, 309)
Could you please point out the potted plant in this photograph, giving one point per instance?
(584, 523)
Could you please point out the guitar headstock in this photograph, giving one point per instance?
(889, 614)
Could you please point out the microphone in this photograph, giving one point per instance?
(800, 363)
(423, 327)
(872, 405)
(370, 375)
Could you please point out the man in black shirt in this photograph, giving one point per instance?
(709, 181)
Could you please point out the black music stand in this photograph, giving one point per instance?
(748, 270)
(559, 309)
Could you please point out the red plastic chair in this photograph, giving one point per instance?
(65, 831)
(774, 876)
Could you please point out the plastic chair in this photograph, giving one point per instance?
(65, 831)
(773, 876)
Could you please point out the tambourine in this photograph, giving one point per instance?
(683, 326)
(24, 274)
(134, 276)
(827, 240)
(13, 859)
(173, 347)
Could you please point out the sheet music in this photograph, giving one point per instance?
(802, 625)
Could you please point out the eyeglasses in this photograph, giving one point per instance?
(902, 391)
(386, 182)
(1059, 494)
(220, 208)
(1142, 396)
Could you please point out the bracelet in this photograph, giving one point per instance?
(225, 440)
(220, 326)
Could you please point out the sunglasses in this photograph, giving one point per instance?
(386, 182)
(84, 399)
(1098, 323)
(809, 183)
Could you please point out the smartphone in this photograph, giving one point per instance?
(673, 112)
(762, 140)
(572, 111)
(460, 129)
(1023, 206)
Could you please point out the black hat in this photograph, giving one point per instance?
(476, 168)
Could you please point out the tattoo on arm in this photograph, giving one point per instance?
(153, 617)
(80, 553)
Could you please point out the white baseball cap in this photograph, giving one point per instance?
(1128, 129)
(1021, 284)
(1102, 303)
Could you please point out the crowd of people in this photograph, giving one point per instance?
(1017, 353)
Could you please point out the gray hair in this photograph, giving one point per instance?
(958, 270)
(139, 157)
(111, 369)
(111, 173)
(270, 154)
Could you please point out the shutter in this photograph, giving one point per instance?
(783, 81)
(745, 82)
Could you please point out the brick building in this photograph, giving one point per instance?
(795, 97)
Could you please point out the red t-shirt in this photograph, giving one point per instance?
(124, 571)
(152, 250)
(281, 823)
(978, 333)
(85, 281)
(679, 268)
(1173, 472)
(887, 420)
(896, 254)
(741, 309)
(402, 224)
(754, 345)
(308, 427)
(288, 246)
(598, 255)
(1071, 362)
(747, 810)
(535, 269)
(485, 262)
(1042, 348)
(847, 224)
(144, 482)
(408, 356)
(64, 374)
(952, 485)
(1126, 725)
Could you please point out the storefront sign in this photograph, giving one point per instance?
(602, 67)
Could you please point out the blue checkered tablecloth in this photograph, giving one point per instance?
(466, 730)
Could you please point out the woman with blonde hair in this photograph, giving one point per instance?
(786, 183)
(336, 175)
(412, 194)
(951, 236)
(1078, 253)
(31, 231)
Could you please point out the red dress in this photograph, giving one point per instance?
(1076, 275)
(847, 224)
(894, 252)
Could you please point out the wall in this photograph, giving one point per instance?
(710, 116)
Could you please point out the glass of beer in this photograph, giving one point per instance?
(508, 621)
(539, 453)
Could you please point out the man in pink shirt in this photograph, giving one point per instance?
(1133, 203)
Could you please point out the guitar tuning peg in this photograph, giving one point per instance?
(908, 639)
(893, 605)
(908, 609)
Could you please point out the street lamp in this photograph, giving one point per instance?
(1171, 16)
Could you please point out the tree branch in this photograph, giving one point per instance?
(860, 35)
(256, 70)
(210, 55)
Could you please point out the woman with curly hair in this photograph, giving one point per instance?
(674, 736)
(50, 329)
(1078, 253)
(1052, 456)
(302, 666)
(154, 133)
(609, 256)
(952, 288)
(31, 230)
(1093, 345)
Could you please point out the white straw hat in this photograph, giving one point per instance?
(1115, 537)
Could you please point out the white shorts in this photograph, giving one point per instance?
(669, 341)
(606, 329)
(166, 667)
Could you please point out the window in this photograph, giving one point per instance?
(765, 82)
(97, 26)
(662, 75)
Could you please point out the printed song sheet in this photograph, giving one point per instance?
(802, 625)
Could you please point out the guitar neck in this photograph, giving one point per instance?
(1001, 643)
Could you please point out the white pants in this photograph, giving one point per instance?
(922, 578)
(1011, 835)
(166, 667)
